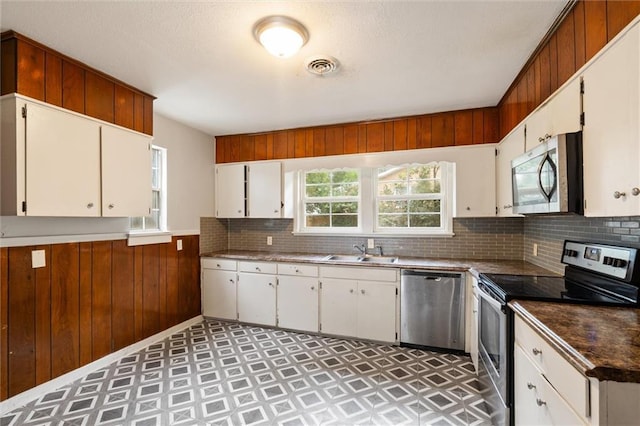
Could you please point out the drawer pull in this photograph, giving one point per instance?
(540, 402)
(231, 280)
(217, 265)
(271, 284)
(362, 291)
(530, 386)
(536, 351)
(257, 269)
(297, 271)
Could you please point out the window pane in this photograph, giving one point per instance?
(392, 206)
(419, 206)
(318, 208)
(393, 220)
(318, 221)
(345, 207)
(425, 172)
(392, 188)
(318, 190)
(345, 190)
(151, 222)
(425, 187)
(424, 220)
(343, 176)
(155, 199)
(317, 177)
(345, 221)
(136, 223)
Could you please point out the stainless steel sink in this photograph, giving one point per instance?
(360, 258)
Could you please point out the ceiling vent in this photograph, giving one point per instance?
(321, 65)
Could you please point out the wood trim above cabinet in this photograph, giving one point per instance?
(39, 72)
(465, 127)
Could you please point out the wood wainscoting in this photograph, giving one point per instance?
(91, 299)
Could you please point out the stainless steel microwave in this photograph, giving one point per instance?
(548, 178)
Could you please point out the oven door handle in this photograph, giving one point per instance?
(493, 302)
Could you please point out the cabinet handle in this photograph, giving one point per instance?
(475, 311)
(111, 206)
(271, 284)
(313, 287)
(351, 291)
(530, 385)
(362, 291)
(297, 271)
(540, 139)
(536, 351)
(90, 205)
(239, 211)
(217, 265)
(468, 208)
(540, 402)
(276, 211)
(635, 191)
(258, 268)
(231, 280)
(619, 194)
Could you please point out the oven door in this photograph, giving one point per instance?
(492, 342)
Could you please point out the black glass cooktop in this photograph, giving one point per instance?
(507, 287)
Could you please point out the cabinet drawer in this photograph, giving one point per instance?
(355, 273)
(568, 381)
(257, 267)
(213, 263)
(296, 269)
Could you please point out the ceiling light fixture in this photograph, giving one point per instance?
(280, 35)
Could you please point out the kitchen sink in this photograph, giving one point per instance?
(360, 258)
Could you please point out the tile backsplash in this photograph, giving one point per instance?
(475, 238)
(549, 233)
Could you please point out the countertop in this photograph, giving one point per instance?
(602, 342)
(516, 267)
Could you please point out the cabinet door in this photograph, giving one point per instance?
(298, 303)
(509, 148)
(377, 311)
(475, 178)
(338, 305)
(126, 172)
(538, 125)
(230, 191)
(62, 163)
(219, 294)
(526, 378)
(257, 298)
(265, 190)
(565, 109)
(611, 143)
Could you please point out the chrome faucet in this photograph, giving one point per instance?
(361, 248)
(379, 250)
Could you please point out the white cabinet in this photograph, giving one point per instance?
(475, 181)
(298, 303)
(126, 172)
(249, 190)
(508, 149)
(611, 135)
(257, 298)
(365, 308)
(471, 303)
(59, 163)
(219, 288)
(558, 115)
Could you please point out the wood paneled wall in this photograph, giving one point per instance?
(34, 70)
(463, 127)
(89, 300)
(587, 28)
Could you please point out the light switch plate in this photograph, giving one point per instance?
(269, 240)
(179, 244)
(38, 259)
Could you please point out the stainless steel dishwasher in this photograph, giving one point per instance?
(432, 309)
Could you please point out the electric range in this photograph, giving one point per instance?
(596, 274)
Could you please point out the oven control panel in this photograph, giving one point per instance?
(613, 261)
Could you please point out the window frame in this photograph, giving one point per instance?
(162, 194)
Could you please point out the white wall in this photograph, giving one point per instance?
(190, 173)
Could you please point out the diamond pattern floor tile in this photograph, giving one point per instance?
(218, 373)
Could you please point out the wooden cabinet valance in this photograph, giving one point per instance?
(34, 70)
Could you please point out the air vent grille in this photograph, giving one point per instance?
(321, 65)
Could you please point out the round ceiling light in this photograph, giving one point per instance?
(280, 35)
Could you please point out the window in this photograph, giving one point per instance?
(406, 199)
(157, 220)
(409, 197)
(331, 199)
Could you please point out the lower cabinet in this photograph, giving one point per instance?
(257, 298)
(219, 293)
(298, 303)
(338, 305)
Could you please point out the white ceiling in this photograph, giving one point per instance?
(201, 61)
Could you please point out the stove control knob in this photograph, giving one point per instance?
(607, 260)
(570, 253)
(619, 263)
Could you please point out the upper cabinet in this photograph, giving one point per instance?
(611, 134)
(59, 163)
(560, 114)
(249, 190)
(475, 177)
(510, 147)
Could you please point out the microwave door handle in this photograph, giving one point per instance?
(546, 194)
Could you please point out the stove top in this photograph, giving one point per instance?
(595, 274)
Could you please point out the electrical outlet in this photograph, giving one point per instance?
(371, 243)
(38, 259)
(535, 249)
(269, 240)
(179, 244)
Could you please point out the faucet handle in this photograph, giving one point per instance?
(379, 249)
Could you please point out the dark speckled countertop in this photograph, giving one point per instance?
(516, 267)
(602, 342)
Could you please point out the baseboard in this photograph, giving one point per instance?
(27, 396)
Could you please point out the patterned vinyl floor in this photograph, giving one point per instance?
(217, 373)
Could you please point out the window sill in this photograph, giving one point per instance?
(376, 234)
(140, 238)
